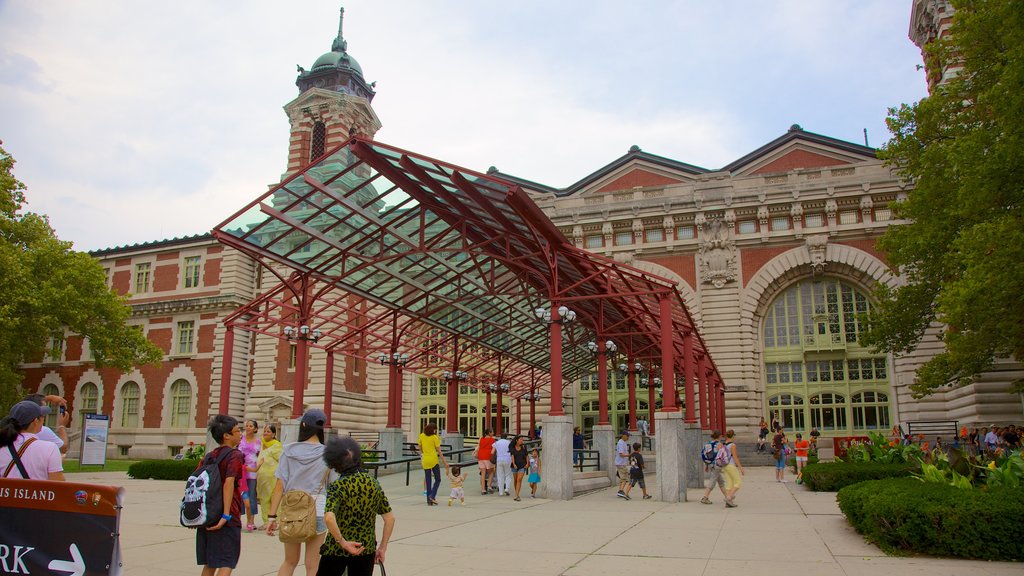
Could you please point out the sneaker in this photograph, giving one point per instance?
(533, 495)
(622, 494)
(705, 500)
(626, 496)
(648, 497)
(485, 493)
(449, 503)
(729, 504)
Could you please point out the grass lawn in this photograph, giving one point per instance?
(111, 466)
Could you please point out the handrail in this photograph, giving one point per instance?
(408, 460)
(589, 455)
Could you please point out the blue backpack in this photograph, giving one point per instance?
(708, 452)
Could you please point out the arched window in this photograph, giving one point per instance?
(181, 404)
(433, 414)
(828, 411)
(130, 405)
(318, 141)
(90, 399)
(51, 390)
(789, 408)
(810, 335)
(592, 406)
(870, 410)
(469, 422)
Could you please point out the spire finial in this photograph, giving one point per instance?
(339, 44)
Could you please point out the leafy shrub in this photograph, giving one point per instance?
(831, 476)
(162, 469)
(881, 449)
(905, 515)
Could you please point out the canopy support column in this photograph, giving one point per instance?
(668, 380)
(631, 385)
(688, 369)
(602, 381)
(702, 387)
(556, 362)
(329, 388)
(225, 369)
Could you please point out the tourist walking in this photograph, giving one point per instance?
(266, 467)
(354, 501)
(733, 469)
(457, 478)
(534, 477)
(483, 456)
(802, 448)
(520, 463)
(622, 452)
(503, 464)
(250, 449)
(578, 446)
(713, 472)
(779, 453)
(431, 458)
(302, 468)
(22, 454)
(636, 471)
(219, 546)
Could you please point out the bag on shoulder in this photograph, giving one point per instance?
(203, 503)
(296, 517)
(708, 453)
(722, 459)
(494, 456)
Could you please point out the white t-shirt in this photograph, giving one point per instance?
(50, 436)
(622, 453)
(40, 458)
(502, 446)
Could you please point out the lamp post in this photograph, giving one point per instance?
(452, 416)
(631, 371)
(395, 362)
(302, 337)
(604, 351)
(555, 318)
(534, 398)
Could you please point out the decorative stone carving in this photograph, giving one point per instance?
(669, 224)
(698, 199)
(577, 236)
(762, 215)
(816, 245)
(831, 207)
(796, 210)
(730, 218)
(638, 231)
(717, 253)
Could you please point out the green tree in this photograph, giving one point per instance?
(47, 288)
(963, 250)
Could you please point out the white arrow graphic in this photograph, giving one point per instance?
(76, 567)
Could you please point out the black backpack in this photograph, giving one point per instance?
(203, 503)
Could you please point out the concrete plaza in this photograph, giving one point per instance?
(777, 529)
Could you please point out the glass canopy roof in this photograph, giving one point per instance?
(374, 245)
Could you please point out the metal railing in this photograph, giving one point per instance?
(449, 454)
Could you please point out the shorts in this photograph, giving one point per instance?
(622, 472)
(321, 526)
(732, 477)
(486, 465)
(715, 477)
(780, 464)
(634, 480)
(219, 548)
(457, 493)
(356, 565)
(254, 504)
(801, 459)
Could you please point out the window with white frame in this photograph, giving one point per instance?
(654, 235)
(623, 238)
(90, 400)
(685, 232)
(780, 223)
(51, 418)
(186, 336)
(883, 214)
(593, 241)
(190, 276)
(142, 272)
(816, 220)
(129, 405)
(848, 217)
(181, 404)
(747, 227)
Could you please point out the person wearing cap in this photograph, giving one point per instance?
(22, 453)
(60, 435)
(302, 467)
(622, 452)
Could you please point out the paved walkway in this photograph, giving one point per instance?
(778, 529)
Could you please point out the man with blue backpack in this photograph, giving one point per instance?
(709, 454)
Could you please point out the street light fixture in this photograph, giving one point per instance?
(394, 359)
(565, 315)
(303, 333)
(457, 375)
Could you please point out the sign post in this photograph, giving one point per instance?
(62, 528)
(94, 440)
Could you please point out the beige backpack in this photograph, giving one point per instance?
(296, 517)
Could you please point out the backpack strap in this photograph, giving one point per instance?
(16, 459)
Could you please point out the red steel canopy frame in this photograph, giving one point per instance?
(380, 249)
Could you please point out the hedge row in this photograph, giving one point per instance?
(831, 476)
(905, 515)
(163, 469)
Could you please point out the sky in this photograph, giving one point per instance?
(135, 120)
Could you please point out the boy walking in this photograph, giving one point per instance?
(713, 471)
(636, 472)
(622, 462)
(219, 546)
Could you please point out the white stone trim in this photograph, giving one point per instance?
(180, 373)
(115, 411)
